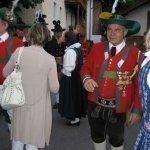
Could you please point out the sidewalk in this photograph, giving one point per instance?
(62, 137)
(68, 137)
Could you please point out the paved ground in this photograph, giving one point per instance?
(68, 138)
(62, 138)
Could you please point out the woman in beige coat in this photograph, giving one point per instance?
(31, 123)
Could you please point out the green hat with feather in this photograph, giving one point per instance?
(7, 15)
(132, 26)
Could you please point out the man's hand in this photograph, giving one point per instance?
(90, 85)
(133, 118)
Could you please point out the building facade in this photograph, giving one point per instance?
(54, 10)
(69, 12)
(76, 14)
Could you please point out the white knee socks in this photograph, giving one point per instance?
(31, 147)
(100, 146)
(117, 148)
(17, 145)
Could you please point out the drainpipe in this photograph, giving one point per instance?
(89, 4)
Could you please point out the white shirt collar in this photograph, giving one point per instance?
(4, 37)
(119, 47)
(76, 45)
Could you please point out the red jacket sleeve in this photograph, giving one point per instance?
(87, 66)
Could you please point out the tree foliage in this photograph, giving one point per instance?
(30, 3)
(25, 3)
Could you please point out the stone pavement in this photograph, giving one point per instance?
(66, 137)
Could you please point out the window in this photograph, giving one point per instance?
(54, 11)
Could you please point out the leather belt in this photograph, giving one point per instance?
(108, 103)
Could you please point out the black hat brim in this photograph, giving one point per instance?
(61, 30)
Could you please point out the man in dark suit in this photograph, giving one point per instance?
(56, 48)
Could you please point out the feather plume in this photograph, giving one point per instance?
(114, 6)
(37, 15)
(15, 2)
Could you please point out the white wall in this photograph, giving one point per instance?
(140, 15)
(47, 7)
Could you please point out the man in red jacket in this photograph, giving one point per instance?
(109, 75)
(8, 45)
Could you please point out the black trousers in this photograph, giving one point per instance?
(105, 121)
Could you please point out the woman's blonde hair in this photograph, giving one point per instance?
(39, 34)
(147, 39)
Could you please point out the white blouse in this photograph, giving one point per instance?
(69, 59)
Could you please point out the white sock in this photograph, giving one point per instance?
(17, 145)
(117, 148)
(100, 146)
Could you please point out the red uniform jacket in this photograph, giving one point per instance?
(16, 43)
(107, 87)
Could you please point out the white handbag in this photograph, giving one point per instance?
(12, 90)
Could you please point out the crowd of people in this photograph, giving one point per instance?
(115, 76)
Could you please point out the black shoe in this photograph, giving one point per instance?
(73, 124)
(55, 106)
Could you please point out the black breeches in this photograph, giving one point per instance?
(104, 121)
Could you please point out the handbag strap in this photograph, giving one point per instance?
(18, 58)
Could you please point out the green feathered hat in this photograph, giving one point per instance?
(7, 15)
(132, 26)
(20, 24)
